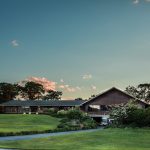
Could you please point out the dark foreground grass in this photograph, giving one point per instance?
(107, 139)
(20, 122)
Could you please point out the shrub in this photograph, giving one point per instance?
(75, 114)
(76, 119)
(62, 113)
(135, 117)
(139, 117)
(147, 117)
(129, 115)
(89, 123)
(50, 111)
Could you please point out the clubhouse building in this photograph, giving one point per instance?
(95, 107)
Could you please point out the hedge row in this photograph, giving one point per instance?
(130, 116)
(40, 132)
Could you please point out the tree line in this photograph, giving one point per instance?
(34, 91)
(30, 90)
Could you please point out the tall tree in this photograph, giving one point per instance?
(32, 91)
(142, 91)
(132, 91)
(52, 95)
(8, 91)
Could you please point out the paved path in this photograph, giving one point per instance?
(28, 137)
(7, 149)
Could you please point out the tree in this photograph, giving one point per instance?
(92, 96)
(32, 90)
(79, 98)
(132, 91)
(142, 91)
(52, 95)
(8, 91)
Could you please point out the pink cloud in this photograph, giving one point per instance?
(47, 84)
(51, 85)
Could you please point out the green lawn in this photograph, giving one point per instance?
(107, 139)
(20, 122)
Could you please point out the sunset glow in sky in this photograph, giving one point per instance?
(79, 47)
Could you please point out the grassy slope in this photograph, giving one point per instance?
(19, 122)
(108, 139)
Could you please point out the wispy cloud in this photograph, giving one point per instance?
(78, 88)
(14, 43)
(136, 1)
(47, 84)
(61, 86)
(93, 87)
(73, 89)
(61, 80)
(70, 89)
(66, 85)
(87, 76)
(67, 88)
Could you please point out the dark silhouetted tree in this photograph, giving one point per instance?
(32, 91)
(8, 91)
(52, 95)
(79, 98)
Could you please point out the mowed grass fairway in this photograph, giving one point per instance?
(107, 139)
(20, 122)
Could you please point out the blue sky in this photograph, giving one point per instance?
(84, 46)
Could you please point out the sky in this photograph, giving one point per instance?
(80, 47)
